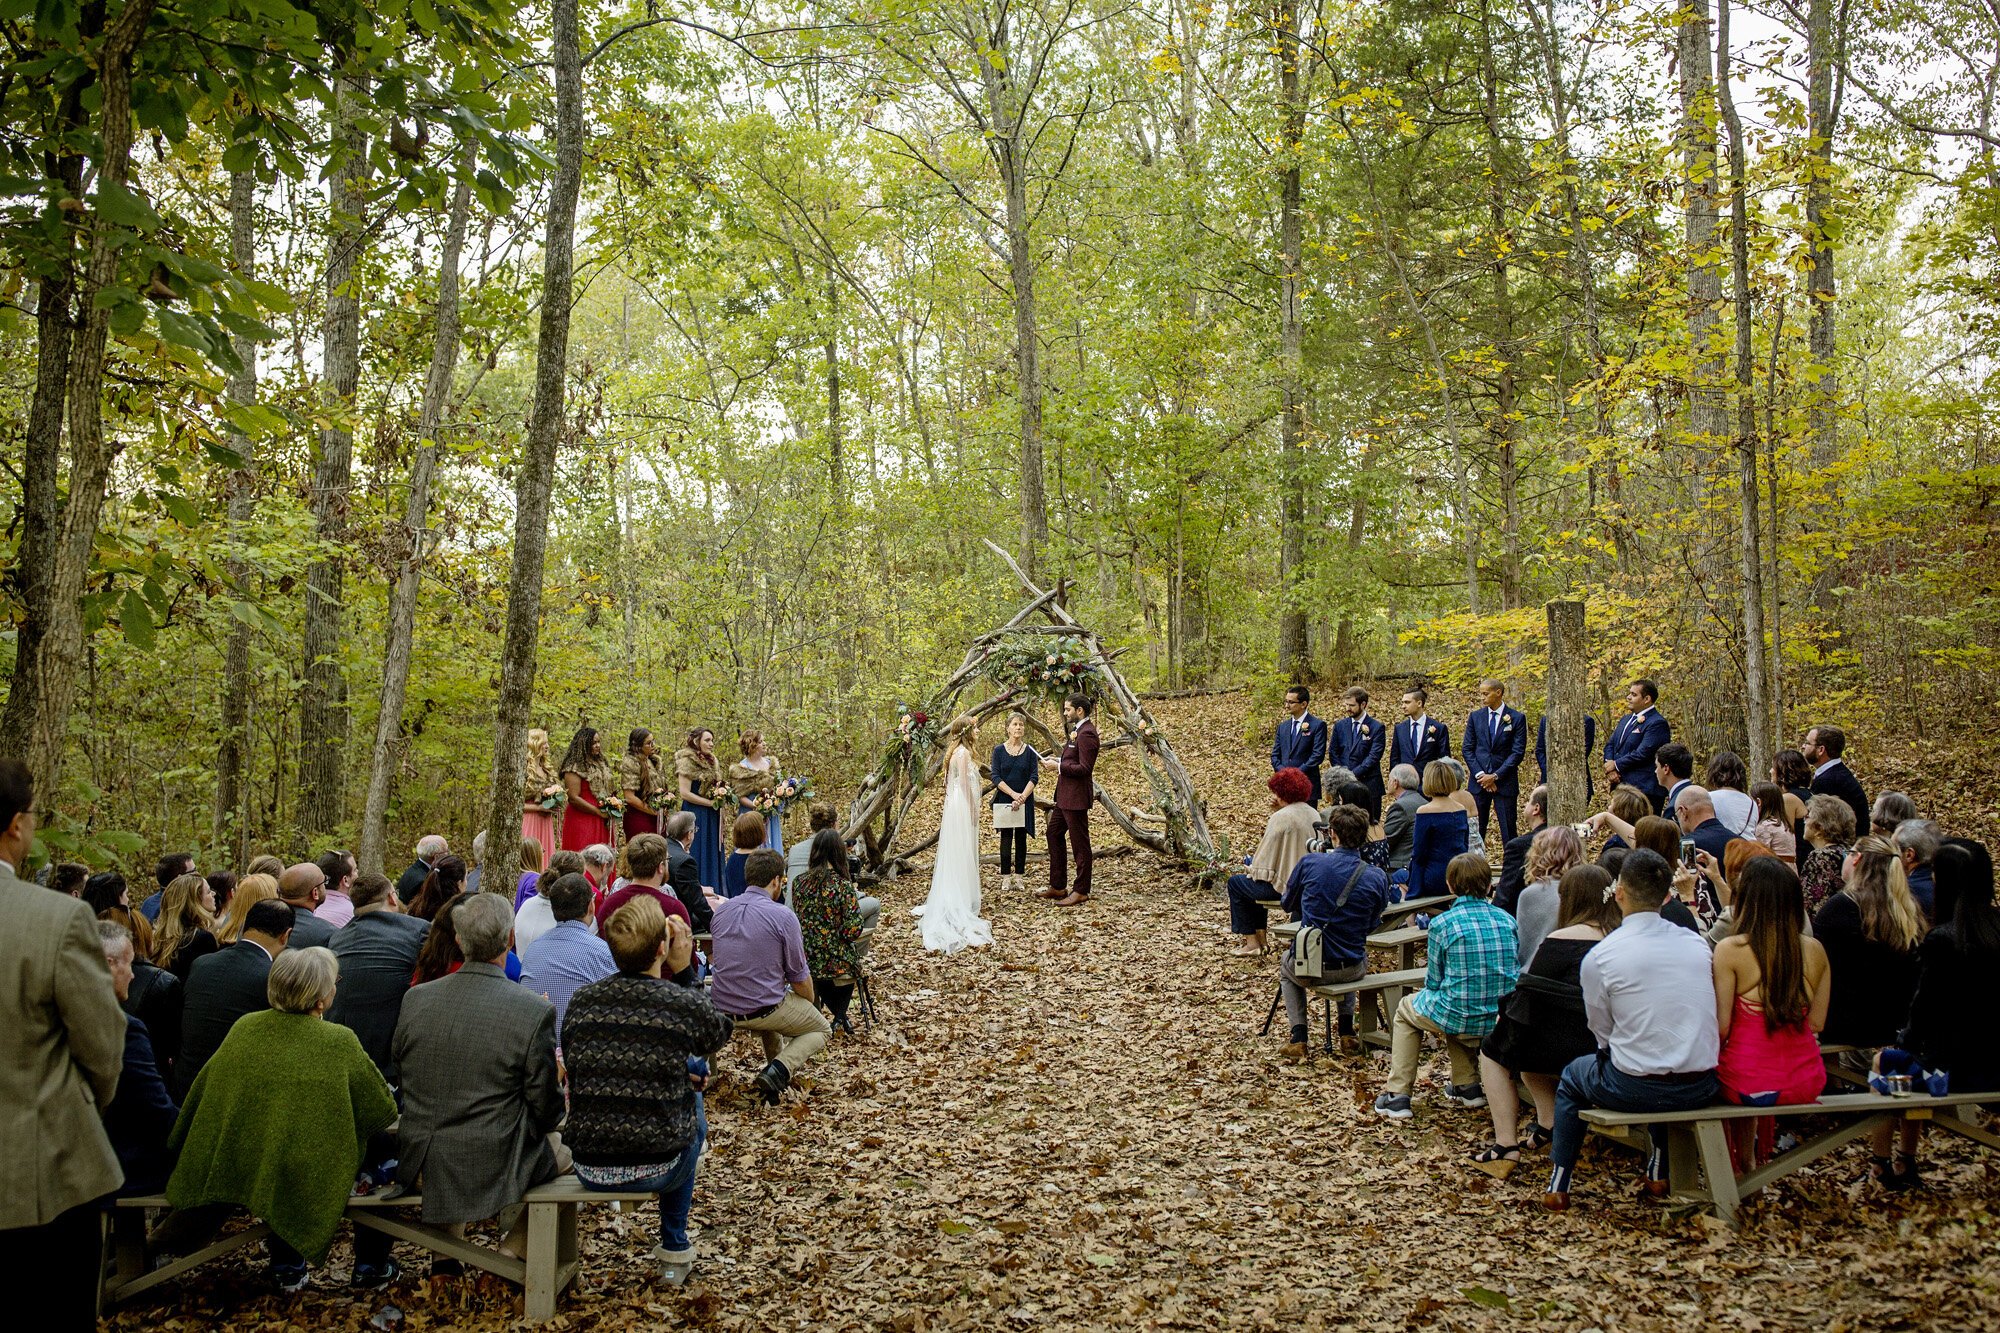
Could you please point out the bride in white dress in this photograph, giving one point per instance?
(951, 919)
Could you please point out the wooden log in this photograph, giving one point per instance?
(1569, 665)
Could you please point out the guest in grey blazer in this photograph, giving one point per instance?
(1399, 815)
(477, 1057)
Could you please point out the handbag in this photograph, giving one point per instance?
(1308, 964)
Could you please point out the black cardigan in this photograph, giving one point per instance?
(626, 1042)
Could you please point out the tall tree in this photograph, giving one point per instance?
(1292, 662)
(1708, 419)
(231, 825)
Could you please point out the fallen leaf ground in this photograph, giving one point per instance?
(1080, 1128)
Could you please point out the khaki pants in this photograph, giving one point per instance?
(793, 1032)
(1406, 1045)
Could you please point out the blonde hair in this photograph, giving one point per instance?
(749, 741)
(634, 933)
(1440, 778)
(531, 854)
(963, 731)
(1553, 852)
(538, 738)
(181, 915)
(302, 980)
(253, 890)
(1889, 915)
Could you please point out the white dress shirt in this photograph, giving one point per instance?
(1649, 993)
(1821, 770)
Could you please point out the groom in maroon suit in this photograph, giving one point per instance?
(1070, 816)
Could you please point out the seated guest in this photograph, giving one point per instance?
(646, 866)
(1791, 772)
(337, 870)
(1771, 990)
(1461, 795)
(223, 885)
(1555, 851)
(141, 1113)
(184, 929)
(1694, 811)
(821, 816)
(532, 858)
(829, 924)
(760, 977)
(1439, 832)
(445, 881)
(68, 879)
(1870, 930)
(170, 868)
(478, 862)
(568, 956)
(629, 1040)
(1916, 842)
(267, 865)
(1739, 853)
(1649, 996)
(747, 835)
(1514, 856)
(1287, 834)
(304, 887)
(154, 997)
(440, 956)
(481, 1093)
(1624, 808)
(1352, 793)
(431, 848)
(1399, 815)
(1891, 808)
(107, 889)
(1339, 894)
(378, 952)
(1469, 968)
(598, 859)
(1727, 782)
(224, 986)
(278, 1121)
(1774, 824)
(1829, 832)
(255, 888)
(684, 871)
(1662, 837)
(1958, 975)
(1673, 769)
(1541, 1027)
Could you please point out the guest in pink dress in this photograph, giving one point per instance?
(1772, 984)
(539, 782)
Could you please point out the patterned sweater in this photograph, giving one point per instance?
(626, 1042)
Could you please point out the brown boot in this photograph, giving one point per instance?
(1053, 893)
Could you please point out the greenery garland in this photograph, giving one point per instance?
(1043, 666)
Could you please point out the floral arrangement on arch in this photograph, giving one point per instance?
(916, 731)
(1049, 668)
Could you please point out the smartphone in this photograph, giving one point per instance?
(1687, 852)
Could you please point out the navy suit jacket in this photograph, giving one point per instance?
(1293, 750)
(1358, 745)
(1589, 744)
(1632, 746)
(1497, 750)
(1840, 781)
(1435, 744)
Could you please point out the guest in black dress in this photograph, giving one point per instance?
(1542, 1025)
(1013, 768)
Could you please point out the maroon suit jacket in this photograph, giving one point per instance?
(1073, 784)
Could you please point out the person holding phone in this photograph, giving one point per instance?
(1694, 811)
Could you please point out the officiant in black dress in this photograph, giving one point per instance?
(1013, 771)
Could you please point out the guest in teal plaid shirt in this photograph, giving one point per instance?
(1470, 970)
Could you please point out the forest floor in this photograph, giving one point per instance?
(1080, 1128)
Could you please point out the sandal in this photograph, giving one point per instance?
(1497, 1160)
(1538, 1138)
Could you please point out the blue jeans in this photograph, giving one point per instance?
(675, 1186)
(1246, 917)
(1592, 1080)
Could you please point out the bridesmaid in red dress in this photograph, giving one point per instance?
(588, 779)
(639, 784)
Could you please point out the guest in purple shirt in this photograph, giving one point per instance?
(761, 979)
(569, 955)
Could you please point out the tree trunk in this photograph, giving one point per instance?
(231, 828)
(538, 462)
(1708, 417)
(1569, 673)
(1504, 427)
(69, 382)
(387, 754)
(323, 716)
(1756, 703)
(1822, 119)
(1292, 654)
(836, 464)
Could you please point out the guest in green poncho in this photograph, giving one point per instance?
(278, 1122)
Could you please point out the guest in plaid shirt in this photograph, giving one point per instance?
(1470, 970)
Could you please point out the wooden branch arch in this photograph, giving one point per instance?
(1176, 825)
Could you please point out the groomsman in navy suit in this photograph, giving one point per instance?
(1589, 744)
(1628, 755)
(1496, 741)
(1301, 739)
(1419, 737)
(1357, 744)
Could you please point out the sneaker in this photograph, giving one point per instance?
(288, 1278)
(1393, 1106)
(1469, 1095)
(675, 1265)
(369, 1276)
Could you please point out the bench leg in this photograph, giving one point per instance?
(1683, 1156)
(538, 1296)
(1713, 1141)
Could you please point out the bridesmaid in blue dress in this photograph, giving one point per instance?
(699, 772)
(1440, 831)
(759, 771)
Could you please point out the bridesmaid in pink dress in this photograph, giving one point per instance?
(1771, 993)
(539, 781)
(588, 779)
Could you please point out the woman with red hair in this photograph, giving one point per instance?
(1287, 836)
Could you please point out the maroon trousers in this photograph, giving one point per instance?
(1073, 827)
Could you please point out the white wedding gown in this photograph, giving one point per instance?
(951, 919)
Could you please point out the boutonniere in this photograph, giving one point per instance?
(1431, 730)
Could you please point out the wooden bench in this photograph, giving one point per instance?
(1404, 941)
(543, 1275)
(1697, 1141)
(1371, 1024)
(1411, 906)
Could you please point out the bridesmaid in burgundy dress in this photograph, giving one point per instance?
(589, 780)
(639, 784)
